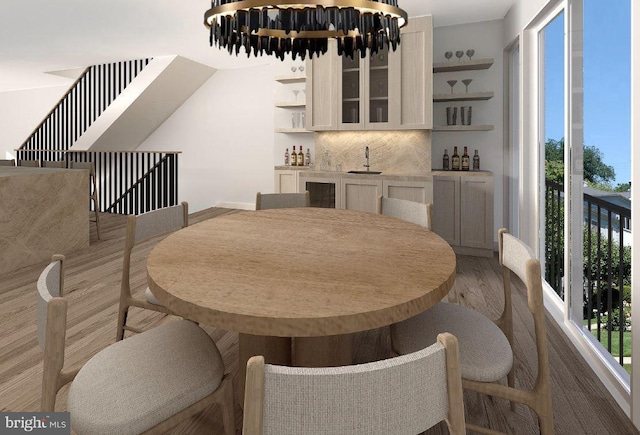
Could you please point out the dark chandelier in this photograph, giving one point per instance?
(304, 27)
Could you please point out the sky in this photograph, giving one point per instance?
(607, 81)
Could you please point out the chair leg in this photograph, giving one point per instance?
(511, 377)
(227, 406)
(122, 320)
(97, 224)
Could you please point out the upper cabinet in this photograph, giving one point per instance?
(391, 90)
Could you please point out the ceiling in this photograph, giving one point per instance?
(40, 36)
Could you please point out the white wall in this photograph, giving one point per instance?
(225, 133)
(486, 39)
(519, 16)
(21, 112)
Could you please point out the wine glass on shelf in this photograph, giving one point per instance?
(295, 95)
(466, 83)
(470, 52)
(452, 83)
(301, 69)
(448, 55)
(304, 99)
(459, 54)
(293, 70)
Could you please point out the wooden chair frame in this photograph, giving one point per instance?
(54, 164)
(54, 376)
(254, 387)
(126, 298)
(7, 162)
(29, 163)
(260, 195)
(539, 398)
(93, 193)
(428, 224)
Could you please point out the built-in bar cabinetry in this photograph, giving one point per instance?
(353, 191)
(391, 90)
(463, 210)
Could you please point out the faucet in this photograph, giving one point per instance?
(366, 154)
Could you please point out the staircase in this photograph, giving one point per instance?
(107, 113)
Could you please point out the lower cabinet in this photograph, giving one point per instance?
(463, 212)
(285, 181)
(360, 194)
(417, 191)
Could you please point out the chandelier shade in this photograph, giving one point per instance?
(304, 27)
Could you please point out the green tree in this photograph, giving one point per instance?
(596, 172)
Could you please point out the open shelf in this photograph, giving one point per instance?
(475, 96)
(290, 105)
(292, 130)
(462, 127)
(465, 65)
(291, 79)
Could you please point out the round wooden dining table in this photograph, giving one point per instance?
(315, 275)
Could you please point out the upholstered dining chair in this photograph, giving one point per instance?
(139, 229)
(486, 348)
(402, 395)
(7, 162)
(410, 211)
(29, 163)
(54, 164)
(144, 384)
(93, 189)
(282, 200)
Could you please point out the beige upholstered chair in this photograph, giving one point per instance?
(54, 164)
(30, 163)
(93, 189)
(410, 211)
(7, 162)
(402, 395)
(282, 200)
(145, 384)
(486, 354)
(139, 229)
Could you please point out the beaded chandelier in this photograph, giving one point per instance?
(304, 27)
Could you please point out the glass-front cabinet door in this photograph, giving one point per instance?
(351, 95)
(378, 95)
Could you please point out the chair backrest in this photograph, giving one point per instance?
(147, 225)
(30, 163)
(266, 201)
(403, 395)
(7, 162)
(410, 211)
(54, 164)
(515, 256)
(83, 165)
(52, 325)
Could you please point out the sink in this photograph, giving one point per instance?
(365, 172)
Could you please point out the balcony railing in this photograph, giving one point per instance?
(606, 266)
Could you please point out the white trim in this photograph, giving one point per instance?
(238, 205)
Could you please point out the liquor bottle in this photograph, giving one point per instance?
(445, 161)
(294, 157)
(476, 161)
(300, 157)
(455, 160)
(286, 157)
(307, 158)
(465, 160)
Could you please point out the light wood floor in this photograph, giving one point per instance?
(92, 285)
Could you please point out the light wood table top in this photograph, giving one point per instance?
(304, 272)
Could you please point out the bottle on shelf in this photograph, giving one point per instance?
(455, 160)
(294, 157)
(445, 161)
(476, 161)
(300, 157)
(307, 158)
(286, 157)
(465, 160)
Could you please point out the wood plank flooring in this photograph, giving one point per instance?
(92, 285)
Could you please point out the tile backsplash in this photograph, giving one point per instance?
(400, 152)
